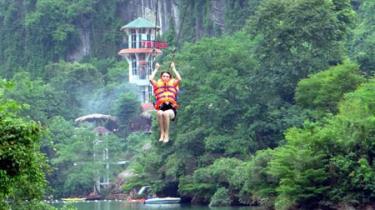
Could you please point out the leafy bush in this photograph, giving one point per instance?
(322, 91)
(220, 198)
(22, 165)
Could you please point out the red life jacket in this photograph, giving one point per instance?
(166, 92)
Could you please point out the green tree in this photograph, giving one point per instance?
(22, 166)
(77, 171)
(78, 157)
(35, 33)
(127, 109)
(323, 91)
(258, 186)
(211, 182)
(50, 31)
(221, 115)
(237, 12)
(364, 38)
(329, 162)
(298, 38)
(42, 99)
(220, 198)
(354, 128)
(76, 82)
(59, 130)
(300, 167)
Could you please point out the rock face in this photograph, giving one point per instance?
(217, 13)
(127, 11)
(350, 207)
(168, 10)
(84, 47)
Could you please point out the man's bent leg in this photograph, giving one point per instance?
(167, 116)
(171, 114)
(161, 124)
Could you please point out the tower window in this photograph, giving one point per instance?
(134, 41)
(140, 40)
(134, 66)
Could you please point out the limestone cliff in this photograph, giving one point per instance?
(192, 19)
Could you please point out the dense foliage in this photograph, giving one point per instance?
(364, 38)
(240, 95)
(22, 165)
(36, 33)
(276, 104)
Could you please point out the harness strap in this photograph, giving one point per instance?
(160, 97)
(165, 87)
(166, 91)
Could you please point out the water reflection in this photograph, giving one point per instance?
(121, 205)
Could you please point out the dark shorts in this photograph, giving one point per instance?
(165, 107)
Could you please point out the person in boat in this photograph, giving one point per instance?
(165, 91)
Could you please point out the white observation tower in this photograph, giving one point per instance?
(140, 52)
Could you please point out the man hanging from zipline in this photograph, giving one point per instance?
(165, 91)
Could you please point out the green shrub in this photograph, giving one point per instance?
(220, 198)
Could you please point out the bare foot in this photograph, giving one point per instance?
(162, 137)
(166, 139)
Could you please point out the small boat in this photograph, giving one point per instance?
(166, 200)
(131, 200)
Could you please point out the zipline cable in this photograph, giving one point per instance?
(155, 29)
(178, 36)
(177, 40)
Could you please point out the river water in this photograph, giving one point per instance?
(122, 205)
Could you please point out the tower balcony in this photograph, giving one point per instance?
(135, 79)
(125, 52)
(154, 44)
